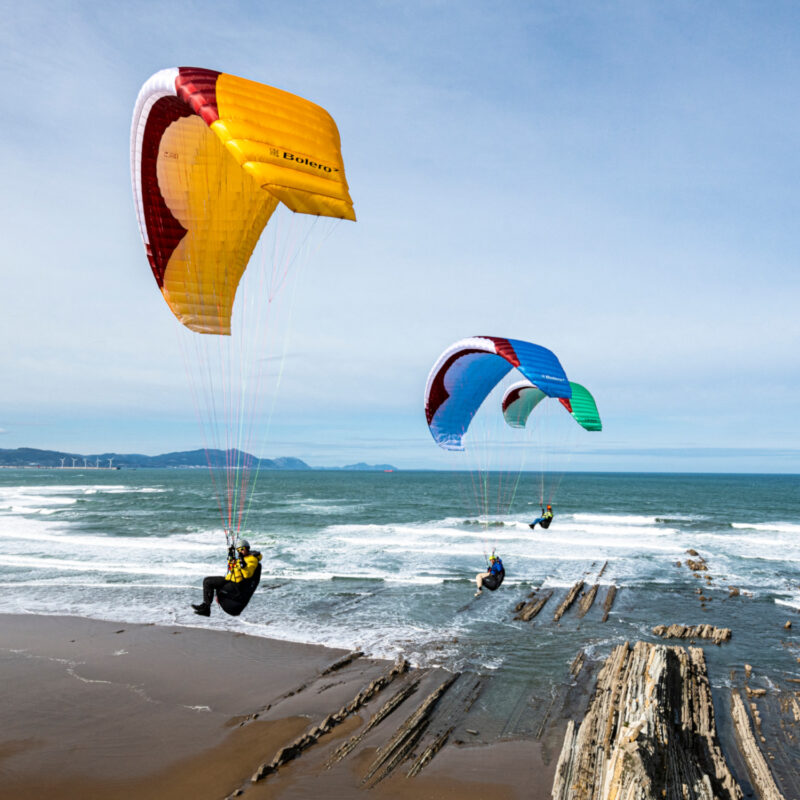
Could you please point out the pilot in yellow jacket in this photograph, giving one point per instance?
(238, 585)
(243, 565)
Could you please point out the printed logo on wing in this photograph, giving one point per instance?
(287, 156)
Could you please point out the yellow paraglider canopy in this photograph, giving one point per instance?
(212, 155)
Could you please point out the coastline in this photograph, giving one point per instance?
(159, 703)
(117, 710)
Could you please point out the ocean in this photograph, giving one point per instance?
(385, 562)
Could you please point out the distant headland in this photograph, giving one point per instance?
(32, 458)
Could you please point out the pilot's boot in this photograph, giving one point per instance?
(203, 609)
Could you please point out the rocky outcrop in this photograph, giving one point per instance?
(334, 667)
(407, 736)
(587, 600)
(527, 611)
(716, 635)
(572, 595)
(766, 724)
(384, 711)
(649, 732)
(577, 664)
(448, 715)
(757, 766)
(291, 751)
(429, 752)
(609, 601)
(342, 662)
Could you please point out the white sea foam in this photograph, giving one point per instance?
(62, 582)
(34, 504)
(770, 527)
(420, 580)
(358, 575)
(56, 564)
(615, 519)
(789, 602)
(65, 540)
(384, 641)
(311, 506)
(425, 553)
(385, 587)
(41, 489)
(89, 489)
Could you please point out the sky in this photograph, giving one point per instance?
(616, 181)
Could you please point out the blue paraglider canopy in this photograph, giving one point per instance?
(465, 374)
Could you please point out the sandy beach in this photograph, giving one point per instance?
(97, 709)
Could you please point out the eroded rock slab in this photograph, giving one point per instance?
(571, 597)
(756, 763)
(609, 601)
(527, 611)
(649, 732)
(716, 635)
(587, 600)
(293, 750)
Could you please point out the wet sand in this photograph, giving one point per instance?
(95, 709)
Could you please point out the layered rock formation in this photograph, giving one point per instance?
(649, 732)
(609, 601)
(526, 611)
(716, 635)
(587, 600)
(571, 597)
(757, 766)
(291, 751)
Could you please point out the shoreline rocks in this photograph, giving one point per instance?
(587, 601)
(295, 748)
(571, 597)
(527, 611)
(609, 601)
(716, 635)
(757, 766)
(649, 732)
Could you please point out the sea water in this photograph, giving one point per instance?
(385, 562)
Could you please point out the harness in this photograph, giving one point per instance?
(234, 597)
(493, 581)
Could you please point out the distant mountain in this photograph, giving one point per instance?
(362, 467)
(189, 459)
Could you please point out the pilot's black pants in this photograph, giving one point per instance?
(210, 585)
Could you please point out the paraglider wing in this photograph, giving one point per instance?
(212, 155)
(583, 408)
(521, 398)
(467, 372)
(518, 402)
